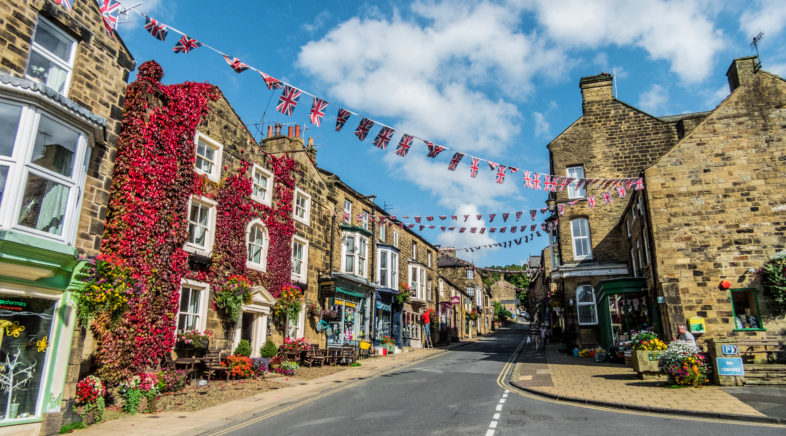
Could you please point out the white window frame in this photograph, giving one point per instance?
(580, 303)
(347, 218)
(204, 299)
(575, 238)
(302, 275)
(470, 274)
(441, 289)
(357, 256)
(414, 250)
(20, 165)
(211, 226)
(267, 198)
(262, 265)
(429, 290)
(471, 291)
(390, 273)
(576, 172)
(479, 297)
(66, 64)
(382, 233)
(215, 174)
(306, 218)
(364, 220)
(429, 259)
(417, 280)
(395, 238)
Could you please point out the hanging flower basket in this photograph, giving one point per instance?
(230, 297)
(404, 293)
(289, 303)
(107, 288)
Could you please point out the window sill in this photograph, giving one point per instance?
(305, 221)
(256, 266)
(212, 177)
(750, 330)
(199, 251)
(261, 200)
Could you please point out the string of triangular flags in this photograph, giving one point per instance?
(290, 96)
(509, 271)
(392, 221)
(506, 244)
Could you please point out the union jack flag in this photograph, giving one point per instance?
(443, 217)
(502, 229)
(417, 219)
(639, 184)
(450, 229)
(454, 161)
(549, 184)
(473, 229)
(536, 182)
(109, 10)
(491, 217)
(64, 3)
(523, 229)
(538, 233)
(403, 146)
(288, 100)
(565, 182)
(532, 214)
(235, 64)
(513, 229)
(383, 137)
(155, 28)
(430, 218)
(518, 215)
(342, 118)
(434, 150)
(532, 227)
(529, 182)
(185, 44)
(462, 230)
(505, 217)
(482, 230)
(466, 217)
(579, 183)
(606, 197)
(363, 127)
(454, 217)
(501, 174)
(317, 111)
(474, 167)
(479, 216)
(493, 230)
(561, 208)
(271, 82)
(621, 191)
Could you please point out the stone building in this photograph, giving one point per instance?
(709, 212)
(62, 78)
(506, 294)
(464, 275)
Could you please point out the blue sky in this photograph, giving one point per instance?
(497, 80)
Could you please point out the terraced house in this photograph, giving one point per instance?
(62, 81)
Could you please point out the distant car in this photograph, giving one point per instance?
(524, 314)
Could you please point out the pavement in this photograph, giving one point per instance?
(564, 377)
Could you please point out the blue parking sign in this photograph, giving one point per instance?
(730, 366)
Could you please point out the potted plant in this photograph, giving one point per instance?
(404, 293)
(289, 303)
(647, 348)
(388, 343)
(473, 315)
(230, 297)
(89, 400)
(140, 393)
(683, 364)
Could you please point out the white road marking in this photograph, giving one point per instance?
(496, 416)
(499, 407)
(490, 433)
(493, 424)
(502, 401)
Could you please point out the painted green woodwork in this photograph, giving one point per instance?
(32, 261)
(625, 285)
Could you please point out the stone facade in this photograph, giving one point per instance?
(465, 275)
(89, 99)
(715, 204)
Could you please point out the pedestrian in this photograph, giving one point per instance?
(543, 334)
(685, 335)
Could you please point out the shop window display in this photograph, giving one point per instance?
(629, 315)
(25, 330)
(746, 309)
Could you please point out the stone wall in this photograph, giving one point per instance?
(716, 202)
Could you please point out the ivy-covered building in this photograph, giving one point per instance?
(62, 81)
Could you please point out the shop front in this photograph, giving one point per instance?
(383, 314)
(37, 321)
(624, 308)
(351, 324)
(445, 322)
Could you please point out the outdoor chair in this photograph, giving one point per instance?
(167, 362)
(213, 365)
(312, 356)
(348, 355)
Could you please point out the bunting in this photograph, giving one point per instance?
(403, 146)
(109, 10)
(235, 64)
(474, 167)
(156, 29)
(271, 82)
(434, 150)
(342, 118)
(454, 161)
(64, 3)
(363, 127)
(317, 111)
(383, 137)
(185, 44)
(288, 100)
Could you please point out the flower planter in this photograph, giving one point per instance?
(88, 417)
(645, 363)
(390, 347)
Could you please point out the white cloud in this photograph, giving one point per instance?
(766, 16)
(779, 69)
(680, 32)
(317, 23)
(542, 127)
(654, 99)
(133, 20)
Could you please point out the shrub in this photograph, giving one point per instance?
(243, 348)
(774, 278)
(268, 350)
(239, 366)
(170, 380)
(684, 365)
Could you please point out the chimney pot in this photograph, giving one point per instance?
(297, 131)
(269, 131)
(278, 129)
(310, 142)
(289, 131)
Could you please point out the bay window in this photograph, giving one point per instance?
(354, 253)
(387, 268)
(417, 280)
(43, 163)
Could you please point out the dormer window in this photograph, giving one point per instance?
(52, 55)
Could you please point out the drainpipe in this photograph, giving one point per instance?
(373, 308)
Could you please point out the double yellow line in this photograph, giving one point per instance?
(511, 363)
(317, 397)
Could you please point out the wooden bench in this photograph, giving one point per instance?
(749, 348)
(313, 355)
(213, 365)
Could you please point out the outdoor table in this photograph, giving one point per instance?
(333, 355)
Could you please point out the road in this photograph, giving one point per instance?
(461, 392)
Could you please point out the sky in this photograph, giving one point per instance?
(492, 79)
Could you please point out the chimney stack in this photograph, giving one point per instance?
(270, 131)
(596, 88)
(742, 71)
(297, 130)
(278, 129)
(289, 131)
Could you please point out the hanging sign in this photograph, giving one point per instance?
(455, 299)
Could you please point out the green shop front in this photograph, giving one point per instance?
(37, 321)
(351, 301)
(625, 308)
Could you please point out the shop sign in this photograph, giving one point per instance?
(455, 299)
(730, 350)
(12, 305)
(730, 366)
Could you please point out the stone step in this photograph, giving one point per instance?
(764, 381)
